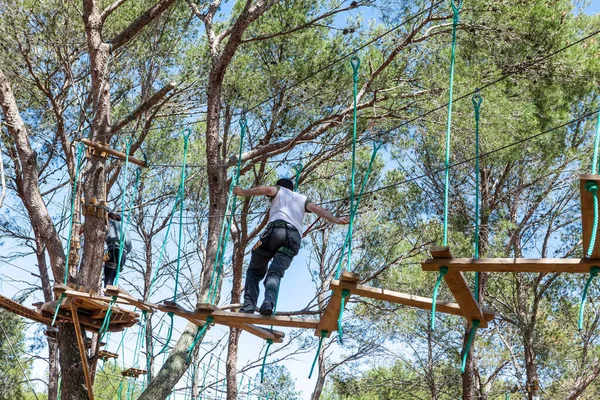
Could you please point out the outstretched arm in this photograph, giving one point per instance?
(323, 213)
(270, 191)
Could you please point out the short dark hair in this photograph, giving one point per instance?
(286, 183)
(114, 216)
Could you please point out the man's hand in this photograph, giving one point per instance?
(343, 220)
(238, 191)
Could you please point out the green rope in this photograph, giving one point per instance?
(323, 335)
(106, 321)
(355, 63)
(345, 294)
(298, 170)
(455, 18)
(186, 137)
(592, 187)
(199, 334)
(443, 271)
(137, 351)
(264, 362)
(79, 154)
(475, 323)
(476, 99)
(226, 227)
(593, 273)
(376, 147)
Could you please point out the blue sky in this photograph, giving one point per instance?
(296, 290)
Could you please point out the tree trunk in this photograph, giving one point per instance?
(531, 368)
(52, 370)
(173, 368)
(73, 379)
(316, 394)
(231, 364)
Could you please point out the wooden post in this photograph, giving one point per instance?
(82, 352)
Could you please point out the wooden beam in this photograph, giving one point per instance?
(263, 333)
(464, 297)
(329, 319)
(587, 214)
(276, 320)
(542, 265)
(82, 352)
(120, 155)
(402, 298)
(19, 309)
(126, 297)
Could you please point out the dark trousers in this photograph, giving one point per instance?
(110, 266)
(279, 242)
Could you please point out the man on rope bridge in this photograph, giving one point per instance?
(113, 243)
(279, 242)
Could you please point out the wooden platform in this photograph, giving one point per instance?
(587, 214)
(106, 355)
(91, 308)
(456, 283)
(133, 372)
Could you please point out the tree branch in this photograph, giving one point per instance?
(136, 26)
(142, 108)
(109, 10)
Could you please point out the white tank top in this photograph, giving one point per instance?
(288, 206)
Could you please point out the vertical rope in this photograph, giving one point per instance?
(476, 104)
(199, 334)
(186, 137)
(298, 170)
(443, 271)
(312, 368)
(475, 323)
(455, 18)
(593, 273)
(345, 295)
(355, 63)
(79, 157)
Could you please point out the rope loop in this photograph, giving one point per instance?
(298, 170)
(243, 121)
(377, 144)
(591, 186)
(355, 63)
(456, 6)
(476, 100)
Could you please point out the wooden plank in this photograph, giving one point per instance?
(105, 355)
(542, 265)
(19, 309)
(587, 214)
(133, 372)
(329, 319)
(440, 252)
(111, 151)
(403, 298)
(128, 298)
(206, 307)
(263, 333)
(349, 277)
(462, 293)
(82, 352)
(276, 320)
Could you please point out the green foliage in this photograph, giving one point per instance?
(13, 362)
(279, 384)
